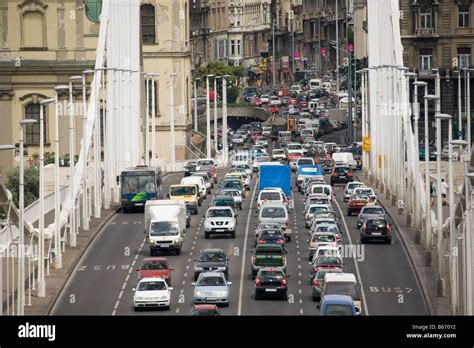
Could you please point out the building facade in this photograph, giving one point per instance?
(438, 34)
(44, 42)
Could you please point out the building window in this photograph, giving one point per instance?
(464, 57)
(32, 136)
(426, 59)
(463, 16)
(238, 47)
(93, 10)
(150, 96)
(426, 19)
(232, 47)
(147, 16)
(220, 49)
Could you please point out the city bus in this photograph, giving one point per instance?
(140, 184)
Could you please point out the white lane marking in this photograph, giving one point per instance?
(194, 242)
(116, 304)
(244, 255)
(299, 259)
(120, 295)
(299, 282)
(299, 274)
(184, 282)
(177, 310)
(127, 278)
(192, 248)
(301, 301)
(299, 291)
(301, 310)
(297, 253)
(189, 260)
(366, 310)
(185, 274)
(187, 267)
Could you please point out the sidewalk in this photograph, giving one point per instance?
(57, 277)
(426, 276)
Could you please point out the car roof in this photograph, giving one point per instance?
(339, 277)
(205, 306)
(211, 250)
(211, 274)
(152, 279)
(222, 207)
(150, 259)
(335, 299)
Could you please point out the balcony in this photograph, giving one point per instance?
(429, 32)
(425, 73)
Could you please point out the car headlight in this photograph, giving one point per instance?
(197, 268)
(199, 293)
(138, 298)
(221, 293)
(163, 297)
(176, 241)
(151, 241)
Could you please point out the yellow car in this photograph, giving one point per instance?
(189, 193)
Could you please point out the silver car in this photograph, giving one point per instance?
(212, 287)
(236, 194)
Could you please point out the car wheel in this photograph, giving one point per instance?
(167, 308)
(362, 240)
(136, 309)
(196, 212)
(332, 183)
(257, 296)
(285, 297)
(240, 207)
(152, 252)
(199, 203)
(388, 240)
(232, 234)
(254, 274)
(206, 235)
(178, 251)
(316, 298)
(289, 239)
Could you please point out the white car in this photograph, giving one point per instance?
(270, 195)
(152, 292)
(261, 142)
(220, 220)
(275, 101)
(238, 139)
(350, 186)
(322, 189)
(321, 239)
(278, 155)
(248, 170)
(364, 191)
(293, 148)
(205, 162)
(296, 88)
(265, 98)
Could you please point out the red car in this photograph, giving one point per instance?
(205, 310)
(256, 101)
(155, 267)
(356, 203)
(292, 101)
(273, 108)
(211, 170)
(253, 136)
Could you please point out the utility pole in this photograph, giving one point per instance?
(273, 56)
(337, 46)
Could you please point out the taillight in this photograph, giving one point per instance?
(286, 223)
(261, 241)
(389, 227)
(254, 259)
(283, 282)
(349, 174)
(280, 241)
(258, 281)
(315, 282)
(335, 174)
(154, 199)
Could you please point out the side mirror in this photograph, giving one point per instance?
(134, 289)
(229, 283)
(171, 268)
(170, 289)
(193, 283)
(286, 251)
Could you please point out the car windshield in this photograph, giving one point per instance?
(376, 224)
(163, 228)
(205, 312)
(191, 165)
(211, 281)
(223, 202)
(270, 196)
(230, 193)
(326, 229)
(342, 288)
(262, 159)
(278, 152)
(364, 191)
(270, 275)
(354, 186)
(329, 261)
(212, 257)
(133, 183)
(315, 209)
(270, 251)
(182, 191)
(322, 273)
(324, 238)
(304, 162)
(321, 189)
(271, 235)
(154, 265)
(338, 309)
(152, 286)
(319, 200)
(219, 213)
(231, 184)
(294, 147)
(359, 197)
(341, 170)
(205, 162)
(373, 210)
(273, 212)
(207, 168)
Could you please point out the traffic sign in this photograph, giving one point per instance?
(366, 144)
(323, 51)
(460, 133)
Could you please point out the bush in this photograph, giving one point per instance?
(31, 185)
(232, 94)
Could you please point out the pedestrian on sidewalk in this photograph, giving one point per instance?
(444, 191)
(432, 193)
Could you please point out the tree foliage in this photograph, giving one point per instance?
(31, 184)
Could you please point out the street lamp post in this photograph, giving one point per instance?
(208, 118)
(41, 251)
(72, 215)
(172, 135)
(147, 121)
(468, 238)
(273, 54)
(216, 147)
(153, 117)
(85, 209)
(337, 44)
(225, 145)
(195, 105)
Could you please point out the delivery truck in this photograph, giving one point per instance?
(165, 225)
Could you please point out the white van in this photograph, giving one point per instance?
(342, 284)
(196, 180)
(240, 159)
(314, 84)
(346, 158)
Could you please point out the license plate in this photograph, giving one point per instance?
(211, 298)
(360, 204)
(342, 176)
(164, 245)
(270, 290)
(376, 233)
(139, 204)
(220, 230)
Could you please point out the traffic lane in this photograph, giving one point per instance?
(107, 261)
(295, 270)
(183, 274)
(390, 286)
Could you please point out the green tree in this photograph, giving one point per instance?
(219, 69)
(31, 184)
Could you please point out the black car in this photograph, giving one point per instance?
(271, 282)
(211, 260)
(376, 229)
(250, 92)
(271, 237)
(190, 168)
(341, 174)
